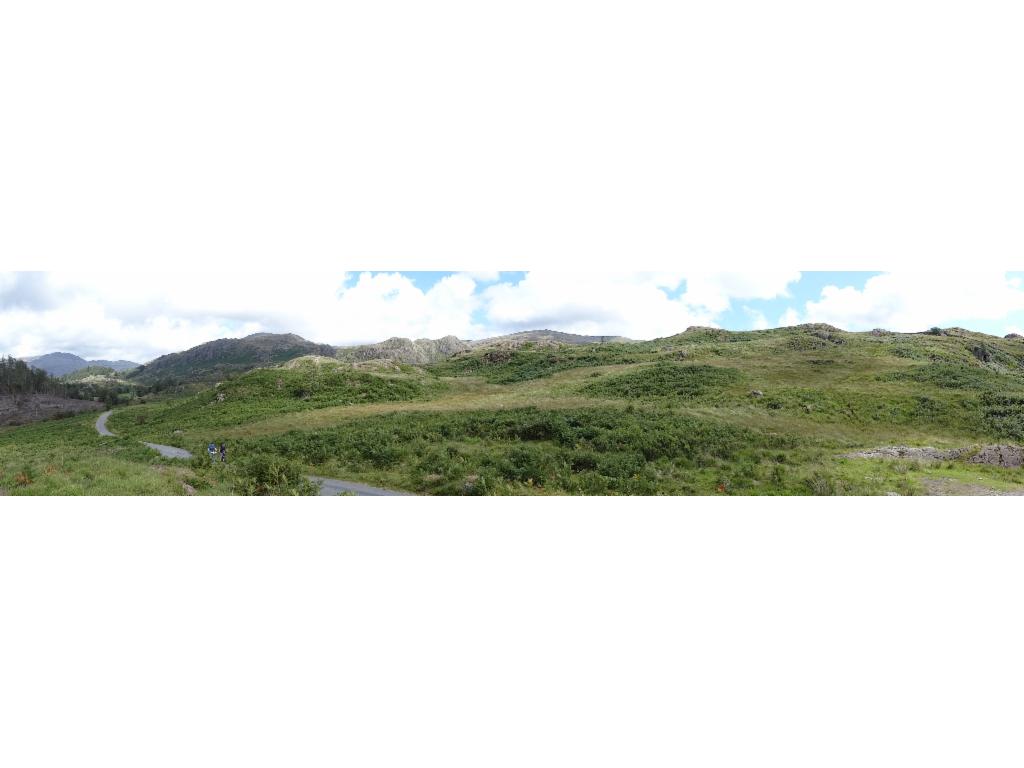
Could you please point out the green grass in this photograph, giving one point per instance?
(671, 416)
(196, 420)
(68, 458)
(962, 376)
(666, 379)
(531, 450)
(506, 366)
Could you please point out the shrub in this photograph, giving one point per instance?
(504, 366)
(822, 485)
(268, 475)
(526, 465)
(583, 450)
(666, 379)
(377, 449)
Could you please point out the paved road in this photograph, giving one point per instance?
(169, 451)
(101, 424)
(328, 485)
(331, 487)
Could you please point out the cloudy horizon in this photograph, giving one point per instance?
(142, 316)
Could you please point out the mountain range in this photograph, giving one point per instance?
(214, 360)
(806, 409)
(64, 363)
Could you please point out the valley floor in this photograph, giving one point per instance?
(775, 413)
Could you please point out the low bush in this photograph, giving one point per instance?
(270, 392)
(269, 475)
(666, 379)
(584, 450)
(505, 366)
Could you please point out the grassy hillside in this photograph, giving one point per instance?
(533, 361)
(68, 458)
(216, 360)
(704, 411)
(304, 384)
(91, 372)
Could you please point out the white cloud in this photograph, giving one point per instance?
(378, 306)
(917, 301)
(714, 291)
(142, 315)
(484, 277)
(789, 317)
(757, 319)
(638, 305)
(634, 305)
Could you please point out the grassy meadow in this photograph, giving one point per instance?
(703, 412)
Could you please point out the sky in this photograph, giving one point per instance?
(135, 316)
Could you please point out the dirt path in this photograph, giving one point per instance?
(329, 486)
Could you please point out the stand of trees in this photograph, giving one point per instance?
(19, 378)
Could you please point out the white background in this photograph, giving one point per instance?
(464, 135)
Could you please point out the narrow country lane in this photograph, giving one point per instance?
(329, 486)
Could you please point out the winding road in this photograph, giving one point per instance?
(329, 486)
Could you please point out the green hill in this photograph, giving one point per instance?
(90, 372)
(804, 410)
(304, 384)
(216, 360)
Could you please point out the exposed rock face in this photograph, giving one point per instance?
(908, 452)
(418, 352)
(819, 327)
(497, 356)
(543, 337)
(830, 336)
(944, 486)
(999, 456)
(706, 331)
(1011, 456)
(982, 353)
(426, 351)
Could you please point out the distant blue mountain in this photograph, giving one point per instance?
(63, 363)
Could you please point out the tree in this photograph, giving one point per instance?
(19, 378)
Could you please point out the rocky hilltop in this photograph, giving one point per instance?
(543, 337)
(418, 352)
(427, 351)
